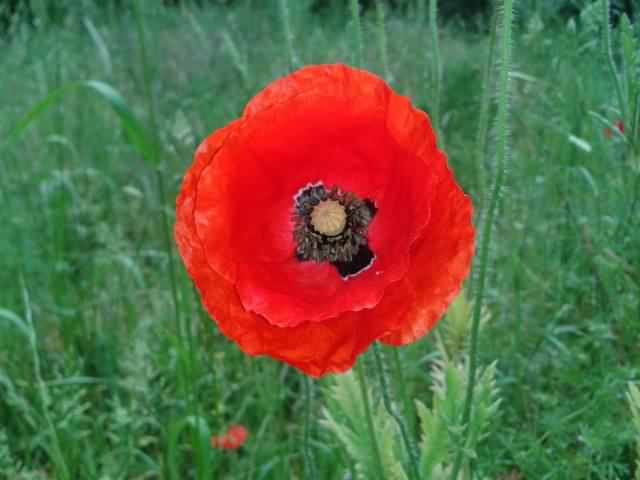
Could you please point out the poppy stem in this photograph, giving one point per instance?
(367, 411)
(436, 67)
(56, 452)
(407, 405)
(612, 65)
(386, 398)
(485, 103)
(168, 247)
(286, 25)
(502, 153)
(309, 468)
(357, 32)
(382, 41)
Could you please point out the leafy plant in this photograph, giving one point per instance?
(441, 426)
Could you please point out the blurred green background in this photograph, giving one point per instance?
(110, 369)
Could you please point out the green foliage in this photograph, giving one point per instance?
(441, 425)
(345, 417)
(443, 430)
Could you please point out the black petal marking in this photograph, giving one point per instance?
(362, 260)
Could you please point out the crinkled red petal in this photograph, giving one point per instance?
(440, 261)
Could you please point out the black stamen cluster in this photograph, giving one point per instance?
(350, 245)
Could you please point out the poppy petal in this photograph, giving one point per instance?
(441, 260)
(233, 438)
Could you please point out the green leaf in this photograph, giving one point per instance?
(346, 418)
(136, 131)
(42, 106)
(16, 321)
(134, 128)
(434, 443)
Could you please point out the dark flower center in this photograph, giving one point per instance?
(331, 226)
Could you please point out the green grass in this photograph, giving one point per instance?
(135, 377)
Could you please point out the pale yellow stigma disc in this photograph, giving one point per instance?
(329, 217)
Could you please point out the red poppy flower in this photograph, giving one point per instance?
(323, 219)
(619, 125)
(234, 438)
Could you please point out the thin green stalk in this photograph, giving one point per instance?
(146, 78)
(57, 454)
(436, 67)
(367, 411)
(483, 122)
(407, 404)
(357, 32)
(382, 40)
(286, 26)
(609, 53)
(420, 10)
(386, 398)
(502, 154)
(168, 245)
(309, 467)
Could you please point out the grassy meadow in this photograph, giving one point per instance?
(111, 369)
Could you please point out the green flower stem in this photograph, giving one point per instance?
(483, 122)
(147, 79)
(382, 40)
(420, 11)
(367, 411)
(357, 32)
(309, 470)
(612, 66)
(155, 155)
(436, 67)
(168, 247)
(56, 451)
(386, 397)
(286, 26)
(502, 153)
(407, 405)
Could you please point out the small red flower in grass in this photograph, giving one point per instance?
(323, 219)
(234, 438)
(619, 125)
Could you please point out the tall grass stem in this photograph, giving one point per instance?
(485, 103)
(160, 180)
(386, 398)
(359, 368)
(58, 456)
(382, 40)
(288, 34)
(502, 154)
(407, 404)
(146, 75)
(309, 467)
(357, 32)
(436, 68)
(606, 32)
